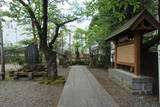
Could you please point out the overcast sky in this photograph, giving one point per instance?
(12, 32)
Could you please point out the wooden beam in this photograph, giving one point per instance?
(125, 63)
(125, 43)
(137, 68)
(143, 27)
(147, 17)
(147, 29)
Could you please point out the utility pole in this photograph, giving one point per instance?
(159, 69)
(2, 52)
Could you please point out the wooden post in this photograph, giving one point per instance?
(137, 41)
(115, 63)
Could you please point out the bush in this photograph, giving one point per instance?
(19, 60)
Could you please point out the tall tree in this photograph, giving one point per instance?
(41, 25)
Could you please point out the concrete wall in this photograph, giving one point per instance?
(135, 84)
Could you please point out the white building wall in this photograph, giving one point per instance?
(112, 57)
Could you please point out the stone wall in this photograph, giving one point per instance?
(135, 84)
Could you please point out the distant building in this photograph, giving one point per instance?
(12, 33)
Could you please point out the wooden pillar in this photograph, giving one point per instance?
(115, 63)
(137, 41)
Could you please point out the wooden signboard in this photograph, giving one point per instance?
(126, 53)
(128, 40)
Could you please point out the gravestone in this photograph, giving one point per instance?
(32, 54)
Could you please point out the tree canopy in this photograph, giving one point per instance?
(45, 21)
(108, 15)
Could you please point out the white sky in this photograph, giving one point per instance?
(12, 32)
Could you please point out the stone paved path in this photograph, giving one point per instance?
(83, 90)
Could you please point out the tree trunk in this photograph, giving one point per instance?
(52, 66)
(77, 55)
(34, 30)
(33, 26)
(51, 59)
(91, 62)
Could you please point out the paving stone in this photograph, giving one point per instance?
(83, 90)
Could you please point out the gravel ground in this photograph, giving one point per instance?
(122, 96)
(24, 93)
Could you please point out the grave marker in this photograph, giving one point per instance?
(32, 54)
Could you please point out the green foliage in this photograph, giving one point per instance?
(15, 54)
(13, 50)
(80, 40)
(19, 60)
(108, 15)
(56, 14)
(77, 44)
(28, 42)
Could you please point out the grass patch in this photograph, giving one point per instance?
(9, 78)
(59, 80)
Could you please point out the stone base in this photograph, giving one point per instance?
(135, 84)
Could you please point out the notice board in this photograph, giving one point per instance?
(126, 54)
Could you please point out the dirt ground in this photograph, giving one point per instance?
(26, 93)
(123, 97)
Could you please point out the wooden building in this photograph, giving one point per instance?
(128, 43)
